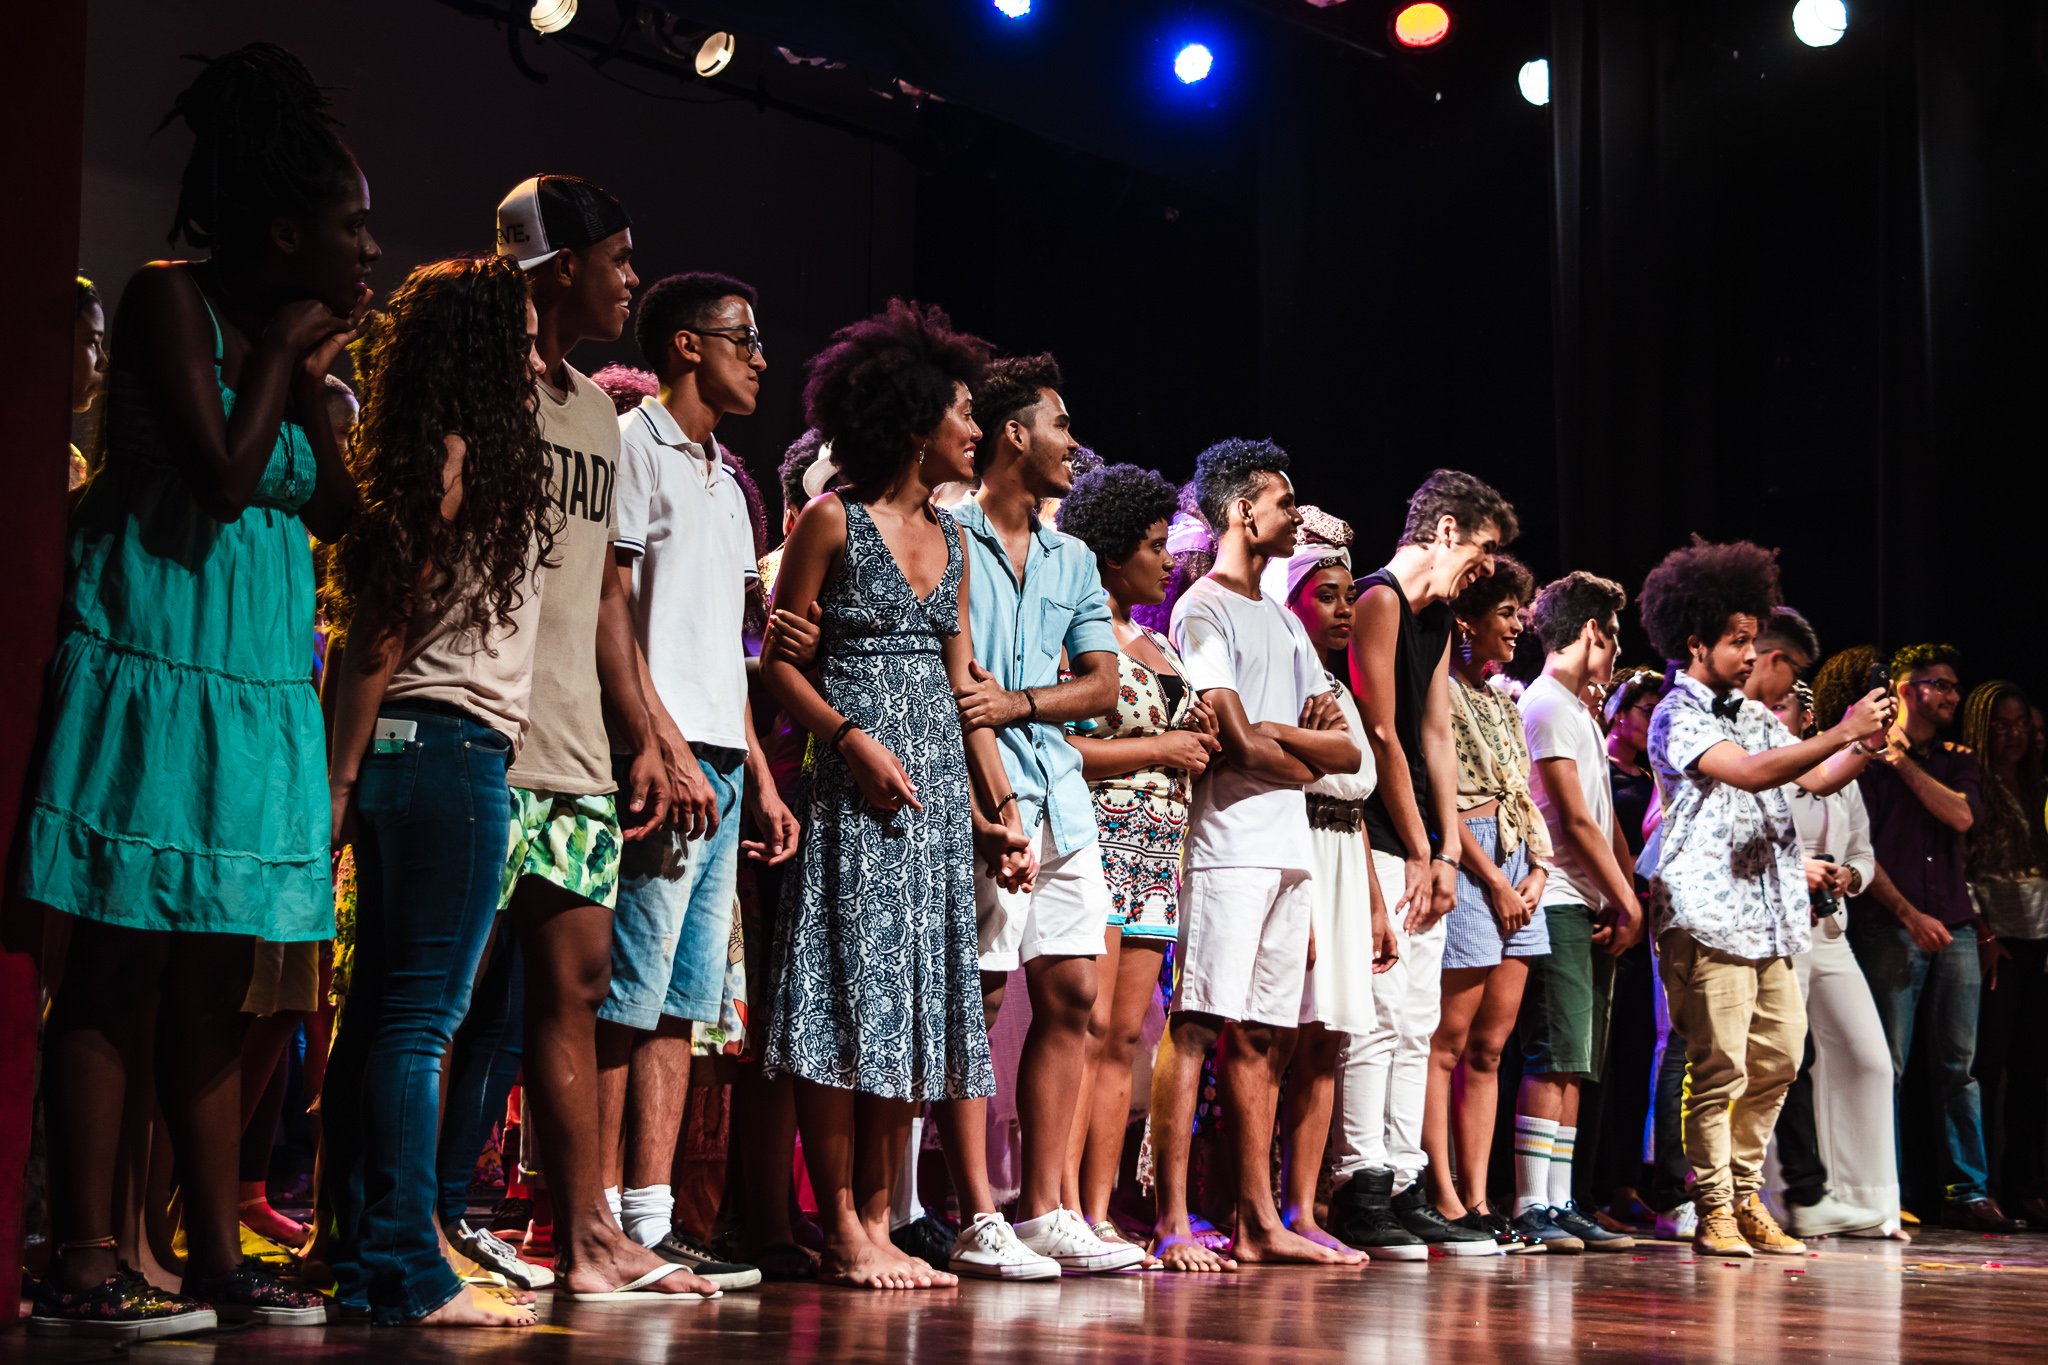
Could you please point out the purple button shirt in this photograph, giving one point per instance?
(1923, 857)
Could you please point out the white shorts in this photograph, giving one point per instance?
(1064, 915)
(1244, 944)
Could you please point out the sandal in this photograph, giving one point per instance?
(252, 1292)
(123, 1306)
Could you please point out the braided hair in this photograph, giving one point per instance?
(263, 146)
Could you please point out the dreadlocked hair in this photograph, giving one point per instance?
(2020, 819)
(263, 147)
(1693, 592)
(449, 357)
(1840, 683)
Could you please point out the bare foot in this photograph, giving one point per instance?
(860, 1264)
(610, 1259)
(931, 1276)
(1178, 1250)
(265, 1221)
(1302, 1225)
(1279, 1244)
(474, 1274)
(916, 1267)
(473, 1307)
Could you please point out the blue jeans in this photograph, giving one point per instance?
(1900, 974)
(434, 823)
(482, 1067)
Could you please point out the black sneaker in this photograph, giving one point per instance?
(1361, 1217)
(1536, 1222)
(252, 1293)
(124, 1306)
(683, 1250)
(1510, 1242)
(511, 1215)
(1589, 1231)
(1438, 1233)
(927, 1238)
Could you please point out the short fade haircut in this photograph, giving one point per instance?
(679, 302)
(1913, 658)
(797, 462)
(1230, 470)
(1786, 628)
(1009, 388)
(1510, 580)
(1562, 609)
(1110, 509)
(1471, 502)
(1693, 592)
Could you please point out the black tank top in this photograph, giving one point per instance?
(1418, 654)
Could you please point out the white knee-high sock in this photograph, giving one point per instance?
(1533, 1139)
(1561, 1166)
(906, 1208)
(647, 1213)
(611, 1200)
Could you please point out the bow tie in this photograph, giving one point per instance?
(1728, 707)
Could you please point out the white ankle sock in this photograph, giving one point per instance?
(1561, 1166)
(647, 1213)
(906, 1208)
(611, 1200)
(1533, 1139)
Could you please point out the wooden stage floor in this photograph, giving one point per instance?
(1967, 1299)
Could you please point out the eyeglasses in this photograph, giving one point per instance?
(1942, 686)
(746, 338)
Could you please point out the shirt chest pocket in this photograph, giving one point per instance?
(1054, 616)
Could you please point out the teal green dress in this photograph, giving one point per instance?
(183, 783)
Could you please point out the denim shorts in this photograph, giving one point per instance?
(1471, 934)
(672, 929)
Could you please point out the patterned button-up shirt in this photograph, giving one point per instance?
(1729, 871)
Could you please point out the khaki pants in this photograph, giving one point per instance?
(1745, 1030)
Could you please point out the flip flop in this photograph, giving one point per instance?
(636, 1290)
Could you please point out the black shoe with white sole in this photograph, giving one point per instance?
(683, 1250)
(1438, 1233)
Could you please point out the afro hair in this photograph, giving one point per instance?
(797, 462)
(1509, 581)
(626, 386)
(679, 303)
(1230, 470)
(1009, 388)
(885, 381)
(1110, 509)
(1562, 609)
(1694, 591)
(1469, 501)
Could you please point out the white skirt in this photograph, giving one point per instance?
(1338, 993)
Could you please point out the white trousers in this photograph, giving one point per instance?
(1382, 1074)
(1852, 1076)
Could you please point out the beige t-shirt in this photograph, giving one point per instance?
(486, 671)
(566, 750)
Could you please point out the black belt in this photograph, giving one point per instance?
(1328, 812)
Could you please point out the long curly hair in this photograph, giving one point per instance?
(1841, 682)
(885, 381)
(263, 145)
(449, 358)
(1695, 589)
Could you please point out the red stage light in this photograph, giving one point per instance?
(1421, 25)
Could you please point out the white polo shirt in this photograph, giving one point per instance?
(683, 517)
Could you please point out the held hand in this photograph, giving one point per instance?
(694, 805)
(1929, 934)
(1000, 847)
(320, 357)
(1530, 889)
(1821, 876)
(1871, 716)
(1386, 948)
(1188, 750)
(1443, 894)
(1415, 884)
(647, 793)
(793, 639)
(775, 821)
(1619, 927)
(984, 704)
(878, 773)
(1019, 872)
(1202, 719)
(1510, 911)
(1845, 881)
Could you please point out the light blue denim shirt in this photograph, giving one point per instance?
(1019, 631)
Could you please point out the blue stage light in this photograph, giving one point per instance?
(1192, 63)
(1013, 9)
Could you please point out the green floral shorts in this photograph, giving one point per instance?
(572, 841)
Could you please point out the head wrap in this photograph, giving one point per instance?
(1188, 532)
(821, 472)
(1284, 576)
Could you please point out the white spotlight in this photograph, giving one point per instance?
(714, 54)
(551, 16)
(1535, 81)
(1820, 23)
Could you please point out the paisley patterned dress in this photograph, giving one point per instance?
(876, 983)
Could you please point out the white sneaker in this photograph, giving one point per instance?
(987, 1247)
(1679, 1224)
(497, 1257)
(1063, 1236)
(1830, 1217)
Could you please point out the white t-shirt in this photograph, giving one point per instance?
(683, 518)
(1558, 725)
(1259, 650)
